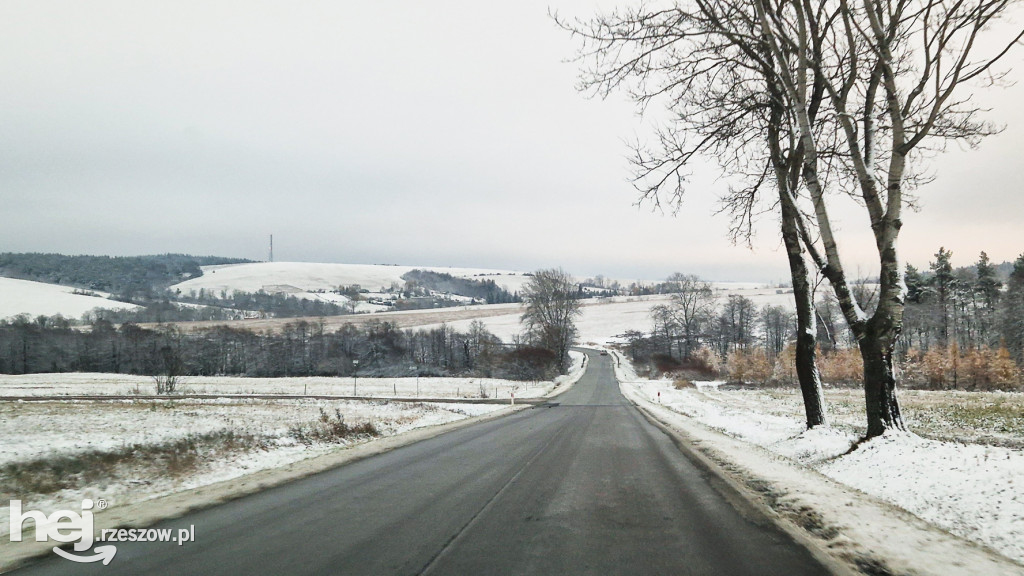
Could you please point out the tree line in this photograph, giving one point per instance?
(127, 278)
(964, 328)
(797, 105)
(301, 348)
(423, 282)
(696, 330)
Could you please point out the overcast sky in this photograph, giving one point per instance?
(420, 133)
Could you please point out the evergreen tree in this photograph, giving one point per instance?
(1013, 311)
(943, 284)
(988, 283)
(985, 299)
(915, 284)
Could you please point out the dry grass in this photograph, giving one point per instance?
(171, 459)
(158, 458)
(332, 430)
(995, 418)
(977, 417)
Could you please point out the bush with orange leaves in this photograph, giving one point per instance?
(843, 366)
(938, 366)
(1005, 373)
(948, 367)
(749, 366)
(784, 371)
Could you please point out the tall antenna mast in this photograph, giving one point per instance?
(271, 259)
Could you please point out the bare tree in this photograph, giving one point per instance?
(172, 364)
(551, 312)
(709, 65)
(692, 306)
(842, 94)
(777, 324)
(894, 73)
(665, 326)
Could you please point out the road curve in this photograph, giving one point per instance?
(583, 486)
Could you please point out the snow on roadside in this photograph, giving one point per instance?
(972, 491)
(757, 428)
(966, 489)
(30, 430)
(87, 383)
(34, 430)
(81, 383)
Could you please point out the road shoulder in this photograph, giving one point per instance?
(859, 533)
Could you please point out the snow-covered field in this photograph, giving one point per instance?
(60, 428)
(971, 490)
(66, 427)
(50, 429)
(38, 298)
(604, 320)
(307, 277)
(601, 321)
(77, 384)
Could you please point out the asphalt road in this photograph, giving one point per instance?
(586, 486)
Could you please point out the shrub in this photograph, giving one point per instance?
(331, 429)
(843, 366)
(749, 366)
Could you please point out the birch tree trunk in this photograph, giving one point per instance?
(806, 334)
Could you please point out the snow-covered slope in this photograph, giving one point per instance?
(38, 298)
(301, 277)
(603, 320)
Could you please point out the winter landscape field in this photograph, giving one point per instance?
(685, 287)
(309, 277)
(35, 298)
(959, 462)
(91, 448)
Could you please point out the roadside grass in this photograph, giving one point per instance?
(161, 458)
(174, 458)
(682, 383)
(332, 429)
(995, 418)
(991, 418)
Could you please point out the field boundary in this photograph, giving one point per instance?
(173, 397)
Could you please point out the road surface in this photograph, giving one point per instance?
(583, 486)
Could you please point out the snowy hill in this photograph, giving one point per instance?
(37, 298)
(299, 278)
(312, 281)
